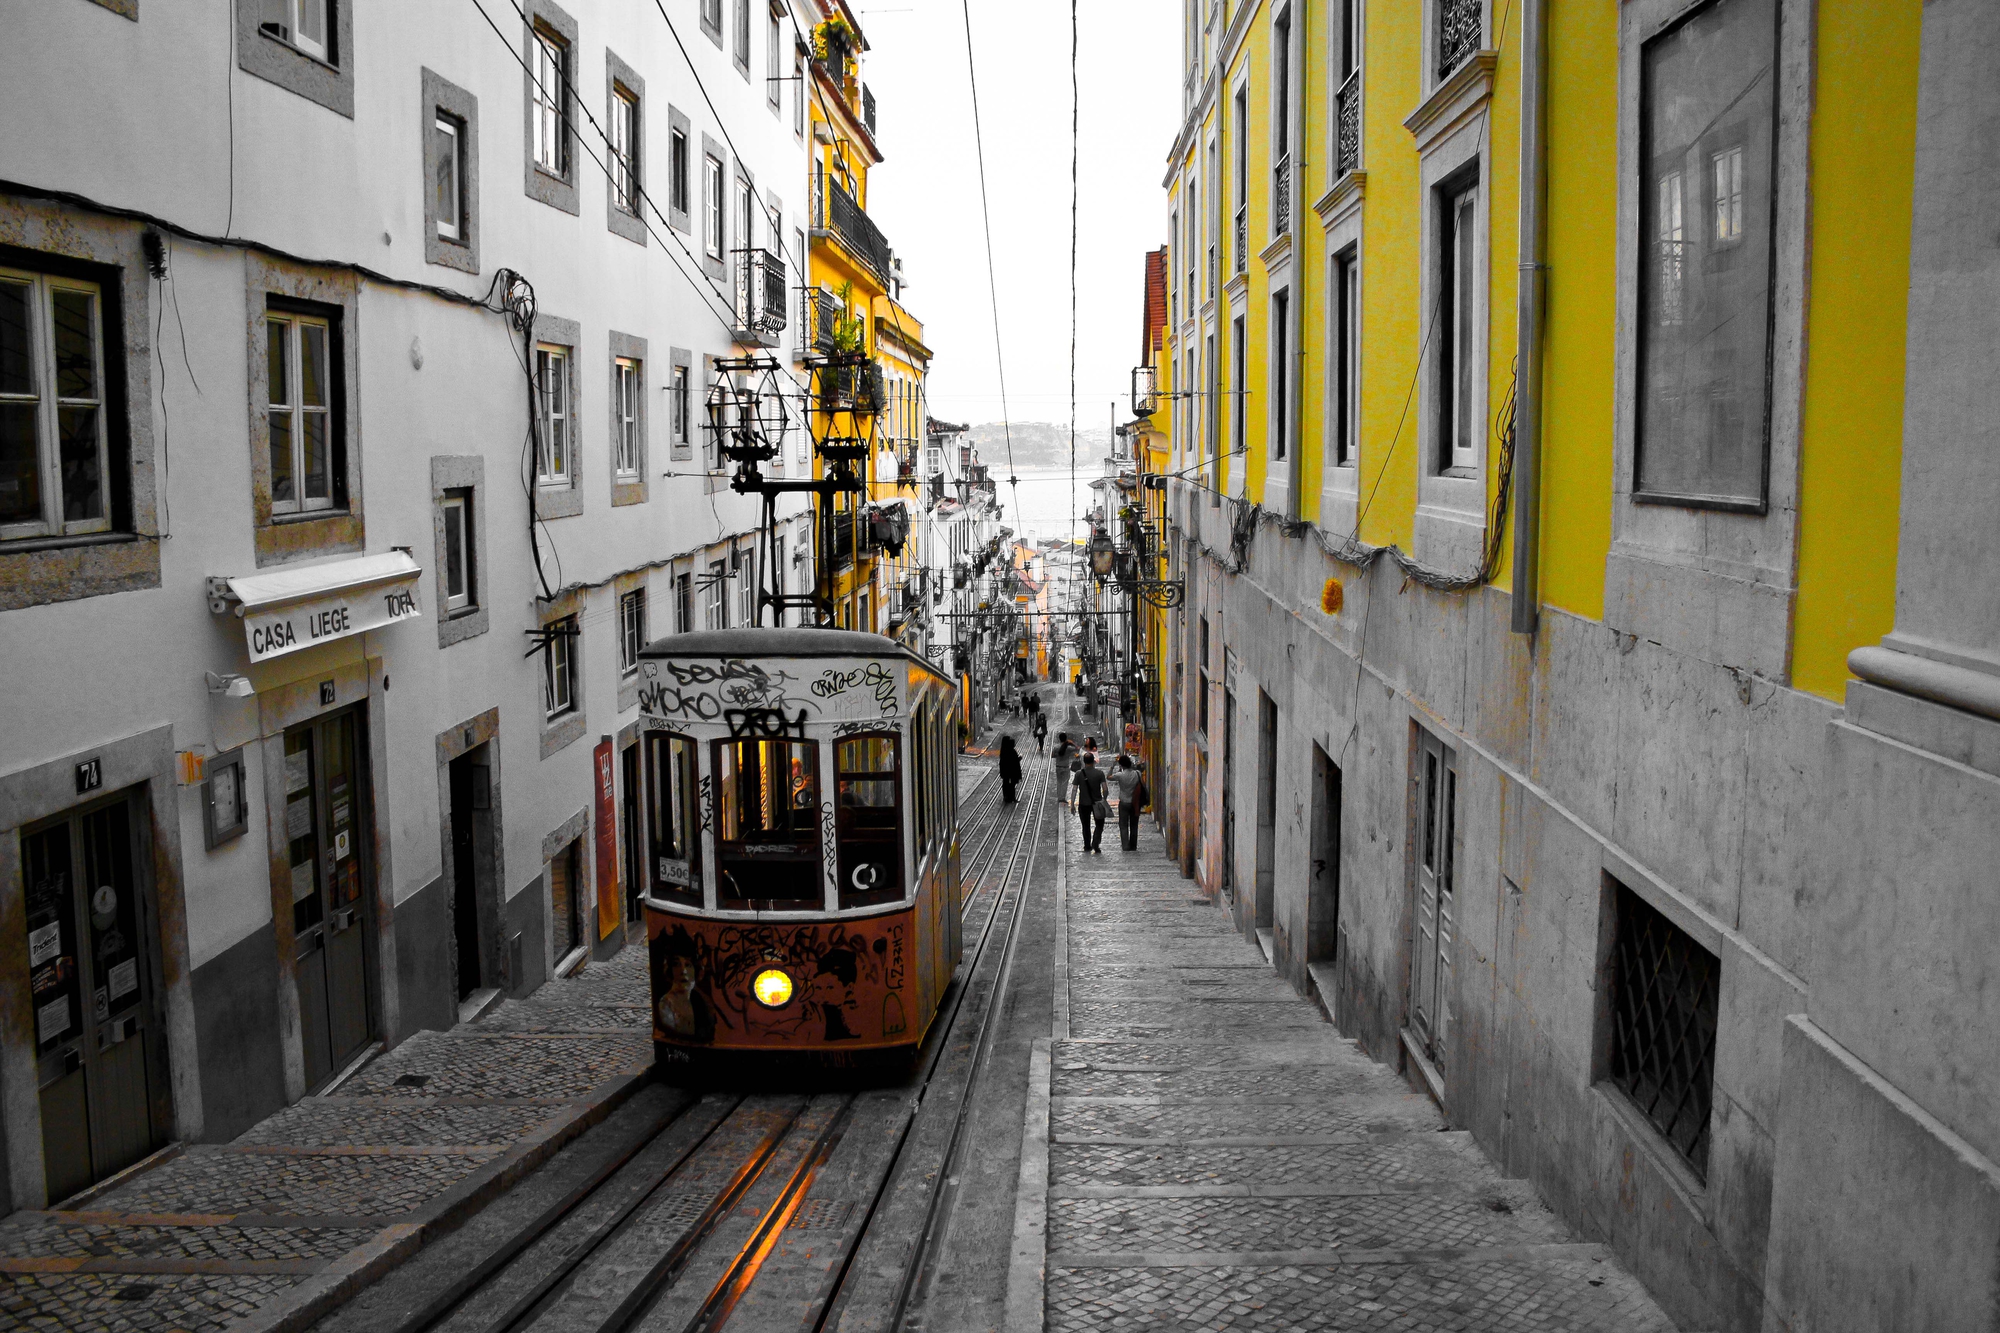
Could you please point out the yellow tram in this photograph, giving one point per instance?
(802, 891)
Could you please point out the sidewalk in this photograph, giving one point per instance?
(1206, 1152)
(280, 1225)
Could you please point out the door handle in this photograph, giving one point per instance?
(1319, 867)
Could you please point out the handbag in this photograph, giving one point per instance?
(1102, 809)
(1142, 796)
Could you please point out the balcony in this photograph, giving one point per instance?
(836, 214)
(1281, 196)
(760, 296)
(868, 109)
(1458, 33)
(1347, 139)
(818, 312)
(1242, 238)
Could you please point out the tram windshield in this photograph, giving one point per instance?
(674, 816)
(868, 810)
(767, 824)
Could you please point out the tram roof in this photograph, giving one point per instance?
(774, 641)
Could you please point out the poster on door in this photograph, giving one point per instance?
(609, 899)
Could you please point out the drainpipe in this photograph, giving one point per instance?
(1528, 333)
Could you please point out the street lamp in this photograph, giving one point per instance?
(1102, 553)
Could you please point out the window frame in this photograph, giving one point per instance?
(1459, 375)
(715, 243)
(445, 101)
(297, 321)
(448, 127)
(774, 92)
(684, 602)
(1279, 372)
(43, 373)
(683, 799)
(1239, 369)
(680, 168)
(549, 477)
(628, 426)
(559, 669)
(292, 33)
(744, 29)
(625, 148)
(461, 476)
(808, 837)
(716, 612)
(1345, 346)
(711, 20)
(854, 898)
(549, 148)
(680, 403)
(632, 627)
(459, 500)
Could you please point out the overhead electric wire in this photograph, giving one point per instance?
(1074, 141)
(992, 282)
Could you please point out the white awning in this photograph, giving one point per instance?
(301, 605)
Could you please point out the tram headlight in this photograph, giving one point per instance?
(772, 988)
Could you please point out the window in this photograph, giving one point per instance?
(1437, 850)
(1238, 372)
(683, 603)
(1242, 145)
(302, 470)
(712, 201)
(54, 429)
(627, 387)
(1201, 686)
(1281, 367)
(743, 36)
(711, 19)
(1346, 359)
(746, 216)
(673, 817)
(1665, 996)
(460, 574)
(677, 170)
(773, 65)
(868, 787)
(302, 24)
(767, 851)
(718, 595)
(549, 68)
(559, 668)
(1460, 428)
(678, 408)
(778, 579)
(799, 95)
(1707, 121)
(552, 396)
(631, 630)
(448, 177)
(1281, 122)
(1174, 231)
(746, 587)
(625, 184)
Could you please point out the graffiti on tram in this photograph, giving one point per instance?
(705, 690)
(847, 980)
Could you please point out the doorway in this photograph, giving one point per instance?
(1323, 943)
(94, 978)
(471, 782)
(635, 863)
(327, 819)
(1229, 796)
(1267, 822)
(1436, 844)
(565, 907)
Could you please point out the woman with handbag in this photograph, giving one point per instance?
(1091, 807)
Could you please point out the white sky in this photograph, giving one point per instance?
(925, 195)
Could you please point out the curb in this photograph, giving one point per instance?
(1027, 1268)
(306, 1303)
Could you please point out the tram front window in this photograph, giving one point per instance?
(767, 851)
(868, 809)
(674, 818)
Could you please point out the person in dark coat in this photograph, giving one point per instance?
(1041, 732)
(1090, 803)
(1010, 769)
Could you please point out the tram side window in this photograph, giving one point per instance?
(767, 847)
(673, 817)
(868, 811)
(920, 767)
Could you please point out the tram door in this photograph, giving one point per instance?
(93, 976)
(326, 820)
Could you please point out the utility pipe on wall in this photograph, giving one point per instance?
(1528, 330)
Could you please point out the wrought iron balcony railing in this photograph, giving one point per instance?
(760, 292)
(837, 213)
(818, 311)
(1242, 238)
(1347, 140)
(1458, 34)
(868, 109)
(1281, 196)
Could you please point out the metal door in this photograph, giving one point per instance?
(326, 820)
(93, 977)
(1430, 969)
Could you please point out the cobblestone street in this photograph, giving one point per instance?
(270, 1230)
(1214, 1155)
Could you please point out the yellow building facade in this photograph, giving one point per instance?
(1584, 338)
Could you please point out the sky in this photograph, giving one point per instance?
(925, 194)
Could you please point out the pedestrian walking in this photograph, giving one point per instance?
(1091, 807)
(1010, 769)
(1130, 783)
(1041, 732)
(1064, 759)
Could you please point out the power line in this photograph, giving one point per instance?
(992, 283)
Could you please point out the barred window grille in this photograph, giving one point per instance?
(1347, 156)
(1458, 34)
(1281, 198)
(1242, 239)
(1665, 994)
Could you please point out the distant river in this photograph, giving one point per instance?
(1040, 507)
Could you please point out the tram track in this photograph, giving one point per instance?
(712, 1211)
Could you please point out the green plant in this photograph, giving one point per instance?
(847, 324)
(833, 43)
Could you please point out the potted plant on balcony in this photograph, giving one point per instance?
(833, 47)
